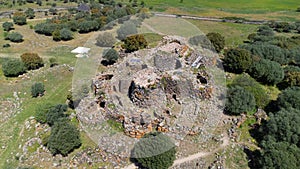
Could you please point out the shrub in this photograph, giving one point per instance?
(134, 43)
(13, 67)
(32, 61)
(111, 55)
(88, 26)
(7, 45)
(291, 77)
(19, 18)
(30, 13)
(289, 98)
(55, 113)
(66, 34)
(56, 35)
(53, 62)
(64, 138)
(128, 28)
(41, 113)
(239, 101)
(7, 26)
(154, 151)
(105, 40)
(267, 72)
(217, 40)
(265, 31)
(252, 86)
(37, 89)
(14, 37)
(237, 60)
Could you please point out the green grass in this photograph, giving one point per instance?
(235, 6)
(234, 33)
(116, 126)
(152, 39)
(57, 86)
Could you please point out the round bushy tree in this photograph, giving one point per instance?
(237, 60)
(14, 37)
(289, 98)
(291, 77)
(30, 13)
(64, 138)
(154, 151)
(134, 43)
(19, 18)
(111, 55)
(7, 26)
(251, 85)
(239, 101)
(32, 61)
(37, 89)
(66, 34)
(55, 113)
(13, 67)
(105, 40)
(128, 28)
(267, 72)
(217, 40)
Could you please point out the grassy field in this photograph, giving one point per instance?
(254, 9)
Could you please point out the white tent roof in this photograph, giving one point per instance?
(80, 50)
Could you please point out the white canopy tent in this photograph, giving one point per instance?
(81, 51)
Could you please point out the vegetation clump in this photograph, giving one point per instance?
(37, 89)
(154, 151)
(134, 43)
(32, 61)
(217, 40)
(13, 67)
(237, 60)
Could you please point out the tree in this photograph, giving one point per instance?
(7, 26)
(111, 55)
(291, 77)
(134, 43)
(279, 155)
(265, 31)
(237, 60)
(251, 85)
(14, 37)
(239, 101)
(30, 13)
(105, 40)
(88, 26)
(19, 18)
(267, 72)
(289, 98)
(128, 28)
(55, 113)
(53, 62)
(13, 67)
(267, 51)
(41, 113)
(37, 89)
(66, 34)
(64, 138)
(154, 151)
(217, 40)
(32, 61)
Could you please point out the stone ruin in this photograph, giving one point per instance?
(150, 89)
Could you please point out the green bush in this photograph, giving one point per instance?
(55, 113)
(53, 62)
(19, 18)
(66, 34)
(128, 28)
(105, 40)
(239, 101)
(111, 55)
(14, 37)
(30, 13)
(237, 60)
(265, 31)
(251, 85)
(32, 61)
(134, 43)
(7, 26)
(56, 35)
(267, 72)
(41, 113)
(291, 77)
(289, 98)
(13, 67)
(154, 151)
(64, 138)
(37, 89)
(217, 40)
